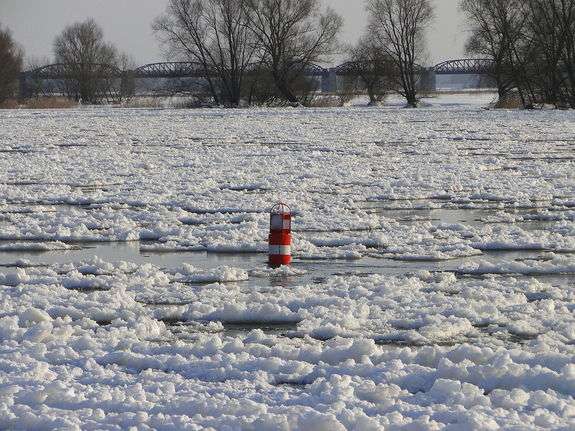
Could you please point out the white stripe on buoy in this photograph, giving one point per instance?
(280, 249)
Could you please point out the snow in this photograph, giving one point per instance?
(34, 246)
(221, 274)
(432, 285)
(551, 264)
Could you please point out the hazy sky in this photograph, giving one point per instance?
(126, 23)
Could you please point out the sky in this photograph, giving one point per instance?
(127, 24)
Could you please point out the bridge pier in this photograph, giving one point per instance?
(329, 81)
(23, 87)
(428, 81)
(127, 85)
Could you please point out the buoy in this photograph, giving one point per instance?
(280, 235)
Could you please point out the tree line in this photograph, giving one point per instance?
(254, 51)
(532, 45)
(258, 51)
(11, 58)
(235, 40)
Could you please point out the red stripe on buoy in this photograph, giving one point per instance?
(280, 235)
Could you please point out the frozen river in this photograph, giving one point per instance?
(433, 283)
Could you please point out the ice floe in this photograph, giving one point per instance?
(481, 336)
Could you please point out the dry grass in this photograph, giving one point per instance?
(51, 103)
(9, 104)
(40, 103)
(509, 101)
(170, 102)
(143, 102)
(325, 101)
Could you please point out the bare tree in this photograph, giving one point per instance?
(374, 68)
(10, 64)
(547, 43)
(497, 29)
(126, 64)
(215, 34)
(532, 44)
(550, 62)
(292, 35)
(399, 26)
(565, 11)
(90, 62)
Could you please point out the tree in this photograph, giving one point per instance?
(547, 44)
(292, 35)
(497, 28)
(215, 34)
(399, 26)
(532, 44)
(374, 68)
(565, 12)
(127, 81)
(10, 64)
(90, 63)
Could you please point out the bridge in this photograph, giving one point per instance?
(178, 69)
(467, 66)
(173, 70)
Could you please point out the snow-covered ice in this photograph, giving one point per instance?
(433, 284)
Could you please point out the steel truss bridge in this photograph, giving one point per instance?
(174, 70)
(468, 66)
(62, 71)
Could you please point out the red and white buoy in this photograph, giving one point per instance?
(280, 235)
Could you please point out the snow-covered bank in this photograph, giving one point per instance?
(484, 338)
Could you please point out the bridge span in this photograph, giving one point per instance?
(174, 70)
